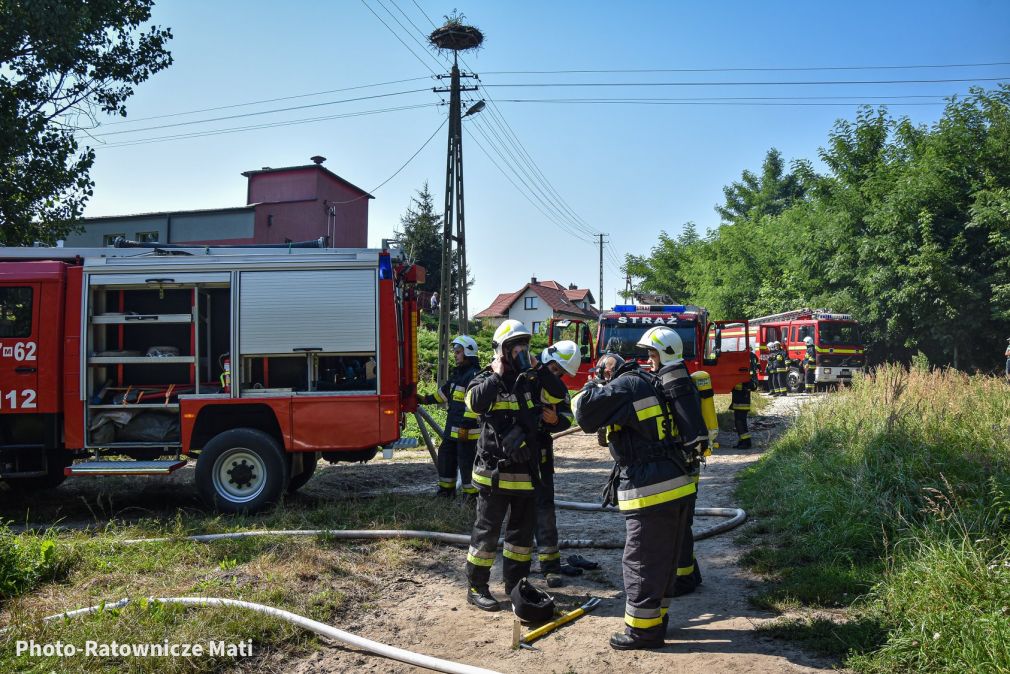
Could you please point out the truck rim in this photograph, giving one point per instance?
(239, 475)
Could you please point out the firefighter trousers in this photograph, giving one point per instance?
(456, 455)
(655, 536)
(740, 405)
(546, 530)
(518, 513)
(688, 571)
(810, 377)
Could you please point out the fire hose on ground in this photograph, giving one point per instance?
(385, 650)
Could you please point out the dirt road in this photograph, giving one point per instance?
(712, 630)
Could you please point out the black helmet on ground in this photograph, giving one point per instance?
(530, 604)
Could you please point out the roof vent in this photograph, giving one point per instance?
(572, 286)
(533, 280)
(318, 159)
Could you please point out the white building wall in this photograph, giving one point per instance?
(541, 314)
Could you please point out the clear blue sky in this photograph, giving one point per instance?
(627, 170)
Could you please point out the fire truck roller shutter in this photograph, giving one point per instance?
(333, 310)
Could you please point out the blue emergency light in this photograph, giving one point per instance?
(665, 308)
(385, 268)
(675, 308)
(624, 308)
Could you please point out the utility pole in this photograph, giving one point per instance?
(455, 37)
(601, 269)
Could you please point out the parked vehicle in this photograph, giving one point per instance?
(618, 331)
(839, 350)
(253, 361)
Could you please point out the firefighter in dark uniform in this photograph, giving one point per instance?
(740, 405)
(508, 396)
(655, 430)
(777, 366)
(562, 358)
(810, 366)
(459, 439)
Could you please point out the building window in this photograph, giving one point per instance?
(530, 302)
(110, 239)
(147, 237)
(536, 327)
(15, 312)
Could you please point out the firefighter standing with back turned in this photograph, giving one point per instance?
(655, 429)
(508, 396)
(459, 438)
(562, 358)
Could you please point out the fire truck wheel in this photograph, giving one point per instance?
(794, 381)
(298, 481)
(241, 471)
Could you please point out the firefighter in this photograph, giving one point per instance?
(655, 430)
(777, 366)
(459, 439)
(508, 397)
(606, 366)
(740, 404)
(562, 359)
(810, 365)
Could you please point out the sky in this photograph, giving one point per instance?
(629, 170)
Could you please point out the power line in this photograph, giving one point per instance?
(744, 84)
(254, 114)
(419, 59)
(734, 70)
(424, 48)
(703, 104)
(420, 9)
(397, 172)
(265, 100)
(521, 191)
(269, 125)
(751, 98)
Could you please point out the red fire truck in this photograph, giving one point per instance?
(255, 361)
(705, 343)
(839, 347)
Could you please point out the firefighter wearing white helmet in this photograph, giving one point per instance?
(562, 358)
(664, 345)
(459, 438)
(509, 397)
(655, 430)
(809, 365)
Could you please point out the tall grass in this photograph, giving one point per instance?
(889, 498)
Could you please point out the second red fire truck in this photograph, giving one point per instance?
(618, 331)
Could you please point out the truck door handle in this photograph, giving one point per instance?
(25, 370)
(141, 317)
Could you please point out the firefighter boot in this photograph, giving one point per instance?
(743, 444)
(622, 641)
(482, 598)
(445, 493)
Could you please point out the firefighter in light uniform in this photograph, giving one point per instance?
(776, 365)
(810, 365)
(655, 427)
(562, 358)
(508, 397)
(459, 439)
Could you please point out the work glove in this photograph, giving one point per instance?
(514, 444)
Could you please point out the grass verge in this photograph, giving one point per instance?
(890, 499)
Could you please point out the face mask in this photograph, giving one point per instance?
(521, 361)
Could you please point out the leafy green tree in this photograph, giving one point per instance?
(62, 62)
(755, 195)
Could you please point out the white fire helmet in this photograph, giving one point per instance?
(666, 341)
(565, 353)
(508, 331)
(468, 344)
(808, 340)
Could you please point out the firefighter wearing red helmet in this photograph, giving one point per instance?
(459, 438)
(508, 396)
(655, 430)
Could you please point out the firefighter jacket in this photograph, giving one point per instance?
(777, 360)
(651, 469)
(810, 359)
(503, 402)
(565, 421)
(460, 423)
(683, 396)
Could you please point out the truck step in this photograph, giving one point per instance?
(123, 468)
(402, 443)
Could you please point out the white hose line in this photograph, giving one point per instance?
(417, 659)
(347, 534)
(736, 516)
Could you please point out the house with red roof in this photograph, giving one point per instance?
(538, 302)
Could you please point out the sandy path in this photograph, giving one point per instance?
(711, 630)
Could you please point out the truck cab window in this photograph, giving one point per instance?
(15, 312)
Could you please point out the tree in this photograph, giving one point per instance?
(62, 62)
(755, 195)
(421, 236)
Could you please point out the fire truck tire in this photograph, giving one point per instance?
(794, 380)
(242, 470)
(298, 481)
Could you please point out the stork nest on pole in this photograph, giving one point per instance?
(454, 35)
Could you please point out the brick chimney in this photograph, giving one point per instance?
(533, 280)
